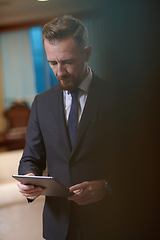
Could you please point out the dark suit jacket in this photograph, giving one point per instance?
(93, 157)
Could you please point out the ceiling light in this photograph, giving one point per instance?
(43, 0)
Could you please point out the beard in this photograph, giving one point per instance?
(70, 82)
(66, 83)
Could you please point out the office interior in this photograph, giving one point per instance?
(131, 61)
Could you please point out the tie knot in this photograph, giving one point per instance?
(74, 93)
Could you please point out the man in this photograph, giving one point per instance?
(85, 164)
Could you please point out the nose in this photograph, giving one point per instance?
(61, 70)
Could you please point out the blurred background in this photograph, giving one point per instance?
(125, 39)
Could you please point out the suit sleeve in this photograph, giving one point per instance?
(111, 131)
(34, 156)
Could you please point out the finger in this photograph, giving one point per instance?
(84, 201)
(78, 194)
(87, 199)
(29, 174)
(78, 186)
(78, 191)
(75, 195)
(33, 195)
(24, 187)
(32, 191)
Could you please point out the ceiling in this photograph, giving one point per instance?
(18, 13)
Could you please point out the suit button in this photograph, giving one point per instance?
(72, 164)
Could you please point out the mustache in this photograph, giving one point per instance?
(62, 78)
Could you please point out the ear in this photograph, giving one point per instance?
(87, 52)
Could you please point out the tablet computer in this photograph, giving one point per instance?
(52, 186)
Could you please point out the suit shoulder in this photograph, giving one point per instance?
(46, 95)
(103, 85)
(45, 98)
(48, 92)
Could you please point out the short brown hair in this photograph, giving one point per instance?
(63, 27)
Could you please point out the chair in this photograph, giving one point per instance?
(17, 117)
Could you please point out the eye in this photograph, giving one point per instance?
(69, 62)
(53, 63)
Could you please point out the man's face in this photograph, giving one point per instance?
(68, 62)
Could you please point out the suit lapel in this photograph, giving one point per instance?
(58, 109)
(93, 101)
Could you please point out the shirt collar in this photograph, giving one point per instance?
(84, 86)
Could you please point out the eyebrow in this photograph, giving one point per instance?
(65, 60)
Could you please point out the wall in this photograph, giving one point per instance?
(2, 124)
(133, 53)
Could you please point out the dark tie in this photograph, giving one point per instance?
(73, 116)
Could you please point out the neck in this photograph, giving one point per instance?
(86, 72)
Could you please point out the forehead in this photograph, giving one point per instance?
(62, 48)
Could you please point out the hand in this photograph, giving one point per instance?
(30, 191)
(88, 192)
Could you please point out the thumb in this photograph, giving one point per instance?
(78, 187)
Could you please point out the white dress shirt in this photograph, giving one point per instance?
(82, 96)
